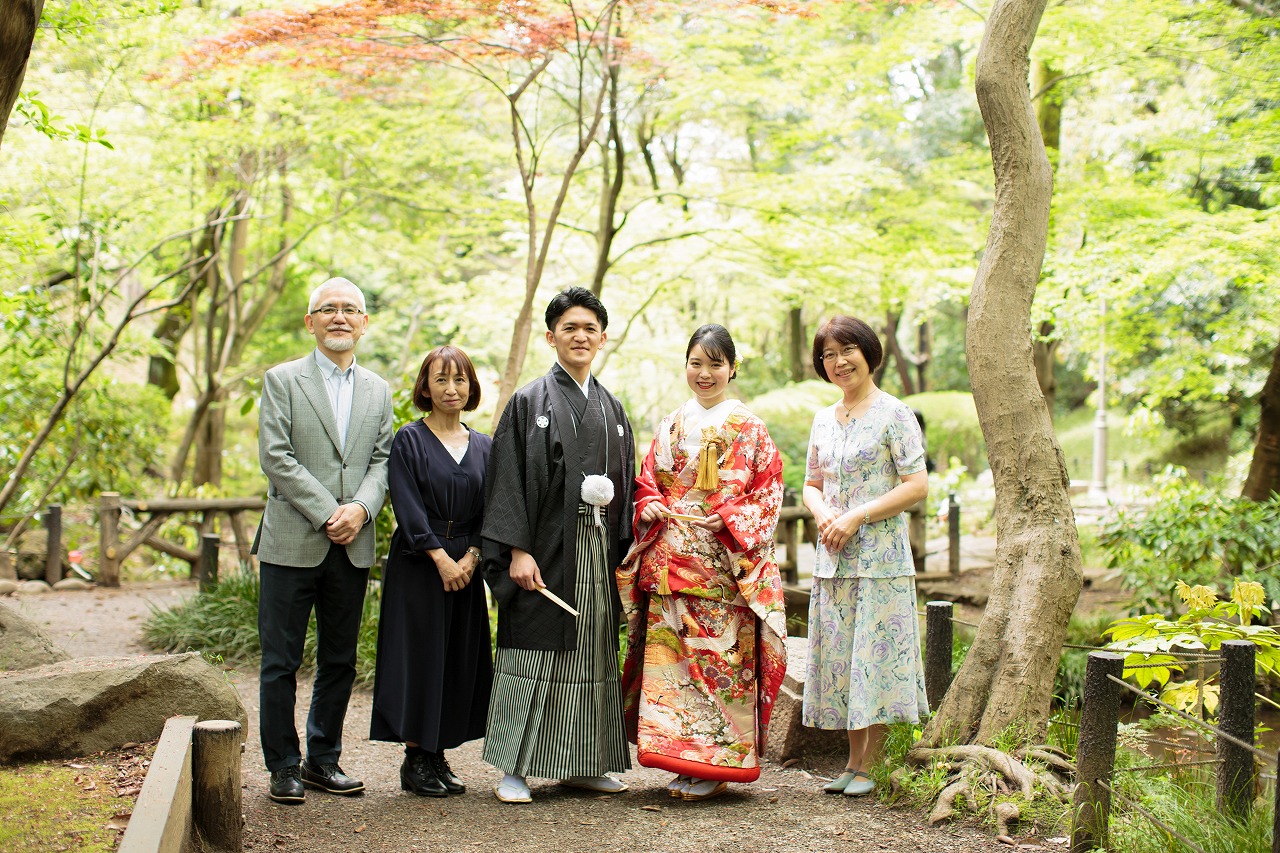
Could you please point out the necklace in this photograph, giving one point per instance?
(848, 410)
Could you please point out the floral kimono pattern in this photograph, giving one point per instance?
(706, 623)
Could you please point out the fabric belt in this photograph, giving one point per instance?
(452, 529)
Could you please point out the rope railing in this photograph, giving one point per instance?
(1267, 760)
(1149, 816)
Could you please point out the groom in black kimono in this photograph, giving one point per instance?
(556, 708)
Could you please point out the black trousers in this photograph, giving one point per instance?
(336, 590)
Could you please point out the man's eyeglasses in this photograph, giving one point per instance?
(847, 352)
(334, 310)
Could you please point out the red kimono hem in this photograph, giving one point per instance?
(683, 767)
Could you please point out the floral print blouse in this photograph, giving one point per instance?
(859, 462)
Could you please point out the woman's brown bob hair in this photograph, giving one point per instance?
(450, 355)
(844, 330)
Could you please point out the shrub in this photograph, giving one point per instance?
(1190, 532)
(223, 622)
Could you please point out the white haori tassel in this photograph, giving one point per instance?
(597, 490)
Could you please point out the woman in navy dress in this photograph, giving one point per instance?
(434, 668)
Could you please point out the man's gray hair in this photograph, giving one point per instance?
(329, 285)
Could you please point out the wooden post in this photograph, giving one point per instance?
(937, 649)
(1236, 717)
(1096, 751)
(215, 784)
(53, 540)
(953, 535)
(206, 570)
(109, 538)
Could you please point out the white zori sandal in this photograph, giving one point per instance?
(513, 789)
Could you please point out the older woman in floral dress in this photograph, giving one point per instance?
(866, 466)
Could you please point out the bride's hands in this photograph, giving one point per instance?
(653, 511)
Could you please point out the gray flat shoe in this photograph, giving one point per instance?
(860, 786)
(838, 784)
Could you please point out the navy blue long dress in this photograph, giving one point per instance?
(434, 668)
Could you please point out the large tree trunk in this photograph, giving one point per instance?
(1264, 470)
(18, 20)
(1007, 679)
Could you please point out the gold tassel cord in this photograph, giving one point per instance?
(709, 461)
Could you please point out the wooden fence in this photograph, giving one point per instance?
(114, 548)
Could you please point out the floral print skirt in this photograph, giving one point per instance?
(864, 654)
(698, 691)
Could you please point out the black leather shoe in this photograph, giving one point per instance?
(417, 775)
(329, 777)
(445, 773)
(286, 786)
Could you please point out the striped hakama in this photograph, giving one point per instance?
(556, 714)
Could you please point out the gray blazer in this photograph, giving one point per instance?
(309, 474)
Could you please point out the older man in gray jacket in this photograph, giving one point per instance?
(324, 434)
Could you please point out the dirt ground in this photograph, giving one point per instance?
(784, 811)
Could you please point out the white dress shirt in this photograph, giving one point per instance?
(340, 384)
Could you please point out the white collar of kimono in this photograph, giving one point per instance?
(696, 419)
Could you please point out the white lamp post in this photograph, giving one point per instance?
(1099, 484)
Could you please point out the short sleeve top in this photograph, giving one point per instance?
(859, 462)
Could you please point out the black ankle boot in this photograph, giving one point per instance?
(445, 773)
(417, 774)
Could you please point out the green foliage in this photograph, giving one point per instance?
(223, 622)
(951, 427)
(1151, 641)
(109, 440)
(1189, 532)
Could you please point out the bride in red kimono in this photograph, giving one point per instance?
(706, 624)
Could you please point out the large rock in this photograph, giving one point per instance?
(82, 706)
(22, 644)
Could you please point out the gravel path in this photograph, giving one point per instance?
(783, 811)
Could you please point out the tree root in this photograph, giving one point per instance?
(972, 767)
(1006, 813)
(1005, 765)
(945, 807)
(1052, 758)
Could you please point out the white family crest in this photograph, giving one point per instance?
(543, 421)
(620, 433)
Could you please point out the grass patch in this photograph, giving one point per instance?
(75, 805)
(223, 624)
(1185, 800)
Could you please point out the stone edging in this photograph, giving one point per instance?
(161, 821)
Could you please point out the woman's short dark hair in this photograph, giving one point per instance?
(450, 355)
(575, 297)
(717, 343)
(845, 330)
